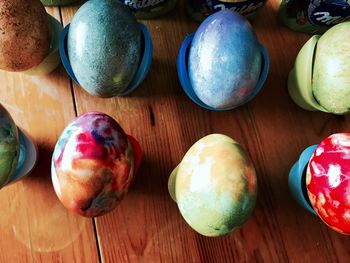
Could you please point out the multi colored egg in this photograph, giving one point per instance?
(215, 185)
(328, 181)
(225, 60)
(104, 47)
(92, 165)
(25, 34)
(9, 146)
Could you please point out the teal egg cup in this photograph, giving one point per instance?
(27, 158)
(297, 179)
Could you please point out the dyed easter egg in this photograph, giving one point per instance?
(9, 146)
(331, 81)
(92, 165)
(224, 60)
(215, 186)
(25, 34)
(328, 181)
(104, 47)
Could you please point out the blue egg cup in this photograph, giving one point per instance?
(26, 160)
(187, 86)
(296, 179)
(141, 73)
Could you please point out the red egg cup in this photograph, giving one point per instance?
(137, 152)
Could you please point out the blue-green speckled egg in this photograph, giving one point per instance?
(104, 47)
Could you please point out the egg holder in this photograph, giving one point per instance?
(53, 59)
(300, 78)
(297, 179)
(137, 150)
(139, 76)
(27, 158)
(185, 82)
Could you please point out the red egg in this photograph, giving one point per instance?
(328, 184)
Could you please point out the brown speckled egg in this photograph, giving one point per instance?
(24, 34)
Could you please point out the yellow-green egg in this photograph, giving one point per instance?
(215, 185)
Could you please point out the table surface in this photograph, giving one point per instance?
(147, 226)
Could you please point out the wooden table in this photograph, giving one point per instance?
(147, 226)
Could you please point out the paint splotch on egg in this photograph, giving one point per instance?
(328, 181)
(25, 34)
(216, 185)
(92, 165)
(224, 60)
(9, 146)
(104, 47)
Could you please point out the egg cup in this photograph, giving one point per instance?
(27, 158)
(185, 82)
(141, 73)
(53, 59)
(58, 2)
(300, 78)
(297, 179)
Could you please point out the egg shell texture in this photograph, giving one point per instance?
(331, 79)
(9, 146)
(216, 186)
(328, 184)
(104, 47)
(25, 34)
(93, 165)
(224, 60)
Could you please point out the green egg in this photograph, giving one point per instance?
(331, 79)
(9, 146)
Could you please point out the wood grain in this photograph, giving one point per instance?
(34, 226)
(147, 226)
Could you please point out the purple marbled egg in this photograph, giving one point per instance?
(224, 60)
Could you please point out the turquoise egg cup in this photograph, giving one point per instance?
(27, 158)
(52, 61)
(297, 179)
(141, 73)
(182, 69)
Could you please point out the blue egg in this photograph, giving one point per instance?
(104, 47)
(225, 60)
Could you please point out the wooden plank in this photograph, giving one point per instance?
(147, 227)
(34, 226)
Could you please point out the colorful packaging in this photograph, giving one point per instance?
(313, 16)
(200, 9)
(145, 9)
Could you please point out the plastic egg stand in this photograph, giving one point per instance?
(26, 159)
(300, 78)
(53, 59)
(297, 179)
(182, 69)
(141, 73)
